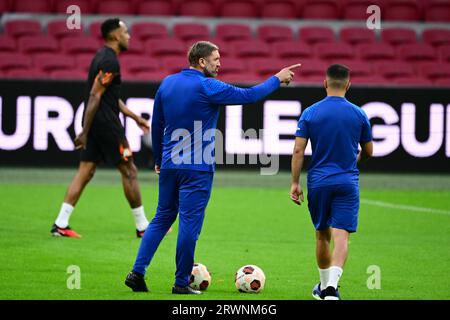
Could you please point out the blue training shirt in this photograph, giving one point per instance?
(335, 127)
(185, 116)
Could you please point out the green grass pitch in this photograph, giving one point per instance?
(404, 229)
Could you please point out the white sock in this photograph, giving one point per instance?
(334, 276)
(324, 274)
(64, 215)
(140, 218)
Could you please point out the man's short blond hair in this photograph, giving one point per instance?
(200, 49)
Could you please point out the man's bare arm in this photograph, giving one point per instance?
(102, 80)
(366, 152)
(298, 156)
(141, 122)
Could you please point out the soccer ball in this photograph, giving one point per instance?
(200, 277)
(250, 278)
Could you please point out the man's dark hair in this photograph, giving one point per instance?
(200, 49)
(338, 76)
(109, 26)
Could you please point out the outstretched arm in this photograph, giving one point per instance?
(222, 93)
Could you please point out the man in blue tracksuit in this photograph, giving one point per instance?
(186, 109)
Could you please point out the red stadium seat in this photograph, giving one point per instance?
(7, 44)
(10, 61)
(321, 9)
(396, 36)
(155, 76)
(50, 62)
(310, 68)
(225, 48)
(416, 52)
(238, 8)
(76, 45)
(139, 64)
(437, 11)
(23, 27)
(332, 51)
(38, 44)
(283, 9)
(357, 9)
(402, 10)
(189, 31)
(58, 29)
(165, 47)
(436, 37)
(34, 6)
(122, 7)
(435, 71)
(357, 35)
(394, 69)
(442, 83)
(239, 78)
(367, 80)
(69, 75)
(376, 52)
(231, 32)
(312, 34)
(197, 8)
(412, 81)
(275, 33)
(444, 53)
(265, 67)
(174, 64)
(28, 73)
(148, 30)
(86, 6)
(136, 47)
(155, 8)
(251, 48)
(95, 29)
(5, 6)
(232, 65)
(293, 49)
(83, 61)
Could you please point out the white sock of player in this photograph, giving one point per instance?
(64, 215)
(324, 274)
(334, 276)
(140, 218)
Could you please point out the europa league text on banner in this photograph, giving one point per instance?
(410, 126)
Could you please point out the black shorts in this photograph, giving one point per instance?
(107, 146)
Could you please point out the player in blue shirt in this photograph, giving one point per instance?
(335, 127)
(185, 114)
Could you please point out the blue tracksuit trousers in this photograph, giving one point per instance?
(180, 191)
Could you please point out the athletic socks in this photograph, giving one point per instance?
(64, 215)
(140, 218)
(335, 274)
(324, 274)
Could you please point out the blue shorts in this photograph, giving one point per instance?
(334, 206)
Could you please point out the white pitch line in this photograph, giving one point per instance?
(403, 207)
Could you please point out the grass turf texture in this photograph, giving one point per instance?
(249, 220)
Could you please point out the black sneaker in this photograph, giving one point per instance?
(136, 282)
(330, 293)
(139, 234)
(184, 290)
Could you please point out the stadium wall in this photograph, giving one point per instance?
(411, 126)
